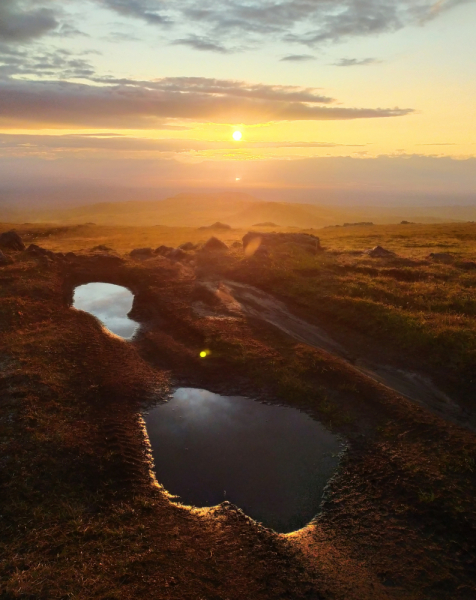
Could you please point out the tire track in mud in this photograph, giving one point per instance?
(245, 300)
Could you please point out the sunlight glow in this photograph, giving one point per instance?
(237, 135)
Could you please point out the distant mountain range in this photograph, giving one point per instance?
(235, 209)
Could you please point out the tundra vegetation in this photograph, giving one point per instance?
(81, 515)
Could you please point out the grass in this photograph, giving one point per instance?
(79, 517)
(411, 303)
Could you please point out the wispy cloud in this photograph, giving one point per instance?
(33, 143)
(202, 43)
(298, 58)
(355, 62)
(312, 23)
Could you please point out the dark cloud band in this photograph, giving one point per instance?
(145, 104)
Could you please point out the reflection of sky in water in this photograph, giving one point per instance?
(273, 462)
(110, 304)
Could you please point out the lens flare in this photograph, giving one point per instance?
(237, 135)
(203, 354)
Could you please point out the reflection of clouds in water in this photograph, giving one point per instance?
(273, 462)
(110, 304)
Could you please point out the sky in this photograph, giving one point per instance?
(327, 94)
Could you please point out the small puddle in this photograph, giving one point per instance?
(273, 462)
(110, 304)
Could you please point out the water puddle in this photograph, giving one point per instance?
(110, 304)
(273, 462)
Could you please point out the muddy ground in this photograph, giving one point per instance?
(82, 516)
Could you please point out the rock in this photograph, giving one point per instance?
(188, 246)
(267, 224)
(213, 245)
(11, 240)
(216, 225)
(163, 250)
(379, 252)
(36, 250)
(70, 256)
(261, 252)
(4, 260)
(467, 265)
(206, 293)
(39, 251)
(236, 244)
(101, 248)
(178, 254)
(142, 253)
(309, 242)
(102, 260)
(441, 257)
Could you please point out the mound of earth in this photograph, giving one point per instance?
(266, 224)
(308, 241)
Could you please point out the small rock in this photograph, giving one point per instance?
(35, 250)
(101, 248)
(379, 252)
(467, 265)
(441, 257)
(70, 256)
(261, 252)
(11, 240)
(309, 242)
(177, 254)
(4, 260)
(188, 246)
(163, 250)
(236, 244)
(142, 253)
(213, 245)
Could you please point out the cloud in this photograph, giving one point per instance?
(226, 24)
(142, 9)
(43, 62)
(355, 62)
(146, 104)
(35, 143)
(22, 23)
(201, 43)
(298, 58)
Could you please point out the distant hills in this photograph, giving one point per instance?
(238, 210)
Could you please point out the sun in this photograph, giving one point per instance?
(237, 135)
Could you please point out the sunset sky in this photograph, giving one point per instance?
(150, 92)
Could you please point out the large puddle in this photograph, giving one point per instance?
(271, 461)
(110, 304)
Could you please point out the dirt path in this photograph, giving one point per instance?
(239, 298)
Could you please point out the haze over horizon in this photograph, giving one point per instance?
(336, 102)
